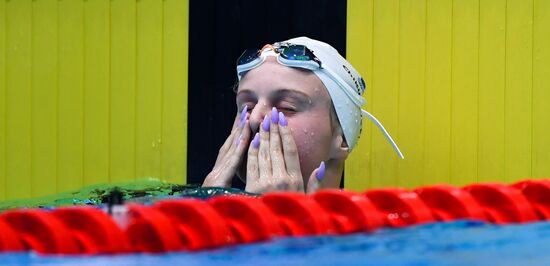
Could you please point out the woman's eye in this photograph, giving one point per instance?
(286, 109)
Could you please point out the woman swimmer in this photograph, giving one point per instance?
(299, 117)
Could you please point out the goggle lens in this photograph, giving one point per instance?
(248, 56)
(296, 52)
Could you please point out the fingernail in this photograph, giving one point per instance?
(256, 141)
(243, 114)
(265, 123)
(239, 140)
(274, 116)
(321, 171)
(282, 119)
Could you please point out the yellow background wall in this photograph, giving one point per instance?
(91, 91)
(463, 86)
(96, 91)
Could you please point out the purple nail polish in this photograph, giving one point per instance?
(282, 119)
(321, 172)
(274, 116)
(265, 123)
(256, 141)
(243, 114)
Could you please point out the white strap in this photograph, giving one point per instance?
(384, 131)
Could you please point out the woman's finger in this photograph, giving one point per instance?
(242, 140)
(237, 125)
(314, 182)
(252, 170)
(290, 151)
(264, 158)
(227, 164)
(238, 136)
(223, 149)
(275, 149)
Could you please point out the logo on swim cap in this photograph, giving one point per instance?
(359, 84)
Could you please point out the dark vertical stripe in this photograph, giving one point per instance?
(218, 32)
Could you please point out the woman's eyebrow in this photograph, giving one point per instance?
(246, 93)
(295, 94)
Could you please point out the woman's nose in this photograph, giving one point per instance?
(257, 115)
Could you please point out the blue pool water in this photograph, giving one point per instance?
(455, 243)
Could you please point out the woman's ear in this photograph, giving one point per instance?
(339, 149)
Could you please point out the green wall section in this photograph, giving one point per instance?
(91, 91)
(463, 86)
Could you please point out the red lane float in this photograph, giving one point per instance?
(299, 214)
(400, 207)
(502, 204)
(94, 229)
(9, 238)
(198, 224)
(42, 232)
(449, 203)
(149, 230)
(189, 224)
(249, 218)
(537, 193)
(350, 212)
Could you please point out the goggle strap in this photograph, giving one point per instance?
(384, 132)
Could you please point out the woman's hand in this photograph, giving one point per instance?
(230, 154)
(273, 161)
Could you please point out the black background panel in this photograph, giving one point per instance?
(219, 31)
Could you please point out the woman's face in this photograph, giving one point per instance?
(304, 100)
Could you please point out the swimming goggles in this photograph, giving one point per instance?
(293, 55)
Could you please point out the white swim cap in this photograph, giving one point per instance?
(344, 85)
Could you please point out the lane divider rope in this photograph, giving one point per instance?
(190, 224)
